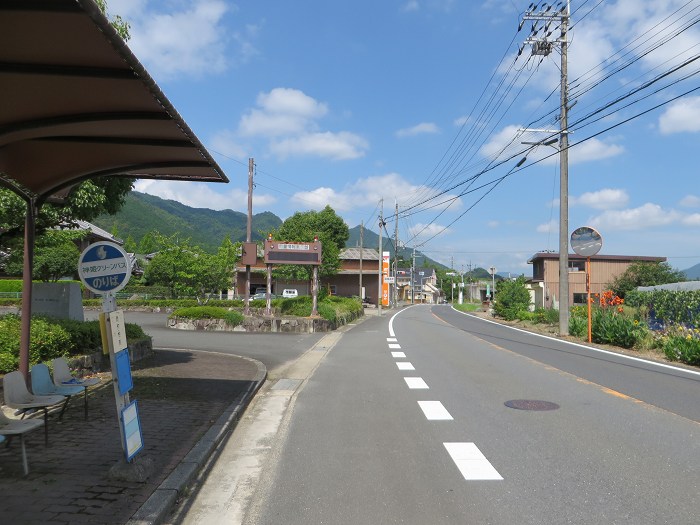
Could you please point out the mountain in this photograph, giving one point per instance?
(206, 228)
(692, 273)
(371, 240)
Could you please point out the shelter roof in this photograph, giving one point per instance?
(77, 104)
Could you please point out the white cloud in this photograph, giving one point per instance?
(418, 129)
(202, 195)
(603, 199)
(192, 41)
(226, 143)
(646, 216)
(692, 220)
(425, 231)
(493, 224)
(462, 121)
(411, 5)
(289, 119)
(369, 190)
(282, 111)
(320, 198)
(548, 227)
(690, 201)
(681, 116)
(500, 143)
(336, 146)
(593, 149)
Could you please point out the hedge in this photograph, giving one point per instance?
(51, 338)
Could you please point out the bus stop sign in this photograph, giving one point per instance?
(104, 267)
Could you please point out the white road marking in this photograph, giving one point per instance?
(405, 365)
(394, 345)
(391, 339)
(471, 462)
(434, 411)
(398, 354)
(416, 383)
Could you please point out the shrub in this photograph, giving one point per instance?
(511, 297)
(231, 317)
(682, 344)
(47, 341)
(611, 327)
(546, 316)
(51, 338)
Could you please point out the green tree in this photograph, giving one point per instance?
(118, 23)
(56, 256)
(511, 297)
(188, 270)
(331, 230)
(643, 273)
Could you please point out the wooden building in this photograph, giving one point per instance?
(345, 283)
(544, 287)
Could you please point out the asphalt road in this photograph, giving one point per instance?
(406, 420)
(273, 350)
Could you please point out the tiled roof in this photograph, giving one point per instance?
(368, 254)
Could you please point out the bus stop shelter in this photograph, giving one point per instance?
(77, 104)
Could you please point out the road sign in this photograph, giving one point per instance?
(104, 267)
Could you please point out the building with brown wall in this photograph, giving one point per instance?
(345, 283)
(544, 288)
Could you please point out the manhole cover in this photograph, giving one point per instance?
(531, 404)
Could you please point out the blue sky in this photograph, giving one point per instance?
(423, 103)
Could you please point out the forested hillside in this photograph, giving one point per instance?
(207, 228)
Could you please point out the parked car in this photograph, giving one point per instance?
(289, 293)
(263, 296)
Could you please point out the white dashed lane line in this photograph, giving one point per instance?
(434, 411)
(416, 383)
(471, 462)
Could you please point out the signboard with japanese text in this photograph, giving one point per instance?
(104, 267)
(131, 429)
(277, 252)
(385, 273)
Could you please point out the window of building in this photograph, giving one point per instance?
(580, 298)
(577, 266)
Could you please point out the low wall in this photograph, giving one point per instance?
(300, 325)
(99, 362)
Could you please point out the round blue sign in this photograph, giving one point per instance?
(104, 267)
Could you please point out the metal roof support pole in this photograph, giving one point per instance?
(28, 269)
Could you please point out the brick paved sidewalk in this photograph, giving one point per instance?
(180, 395)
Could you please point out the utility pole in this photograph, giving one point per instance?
(542, 46)
(396, 254)
(249, 234)
(381, 258)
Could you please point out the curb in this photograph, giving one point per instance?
(158, 505)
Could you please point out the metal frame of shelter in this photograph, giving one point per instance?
(77, 105)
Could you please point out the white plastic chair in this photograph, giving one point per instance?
(18, 427)
(17, 396)
(63, 377)
(42, 385)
